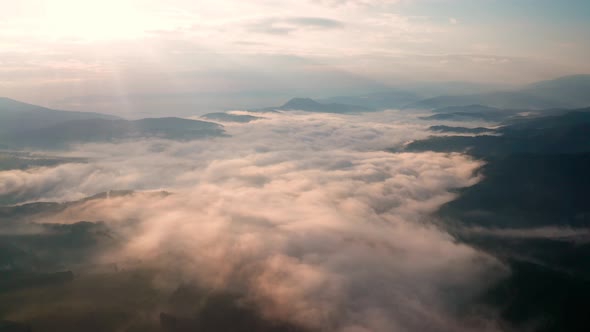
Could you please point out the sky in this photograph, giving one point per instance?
(129, 56)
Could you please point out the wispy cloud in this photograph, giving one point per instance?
(283, 26)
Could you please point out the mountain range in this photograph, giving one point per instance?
(560, 93)
(564, 92)
(16, 116)
(24, 125)
(531, 210)
(567, 133)
(310, 105)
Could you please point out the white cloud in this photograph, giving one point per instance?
(304, 214)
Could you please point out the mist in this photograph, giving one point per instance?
(306, 216)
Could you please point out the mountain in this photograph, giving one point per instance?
(18, 116)
(399, 96)
(543, 161)
(474, 112)
(572, 90)
(490, 114)
(24, 125)
(501, 99)
(310, 105)
(103, 130)
(22, 160)
(569, 133)
(433, 89)
(531, 211)
(570, 118)
(564, 92)
(467, 109)
(527, 190)
(380, 100)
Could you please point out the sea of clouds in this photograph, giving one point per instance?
(308, 216)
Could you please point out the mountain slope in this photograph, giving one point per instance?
(475, 108)
(531, 210)
(569, 89)
(103, 130)
(569, 133)
(502, 99)
(564, 92)
(378, 100)
(24, 125)
(18, 116)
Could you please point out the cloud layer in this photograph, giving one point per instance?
(303, 214)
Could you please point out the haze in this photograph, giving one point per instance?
(136, 58)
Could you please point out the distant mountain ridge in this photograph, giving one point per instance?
(475, 108)
(574, 90)
(563, 92)
(19, 116)
(310, 105)
(378, 100)
(103, 130)
(24, 125)
(502, 99)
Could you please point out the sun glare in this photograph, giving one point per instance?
(94, 20)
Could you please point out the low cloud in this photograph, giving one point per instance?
(305, 215)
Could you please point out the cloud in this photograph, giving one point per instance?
(305, 215)
(317, 22)
(287, 25)
(357, 3)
